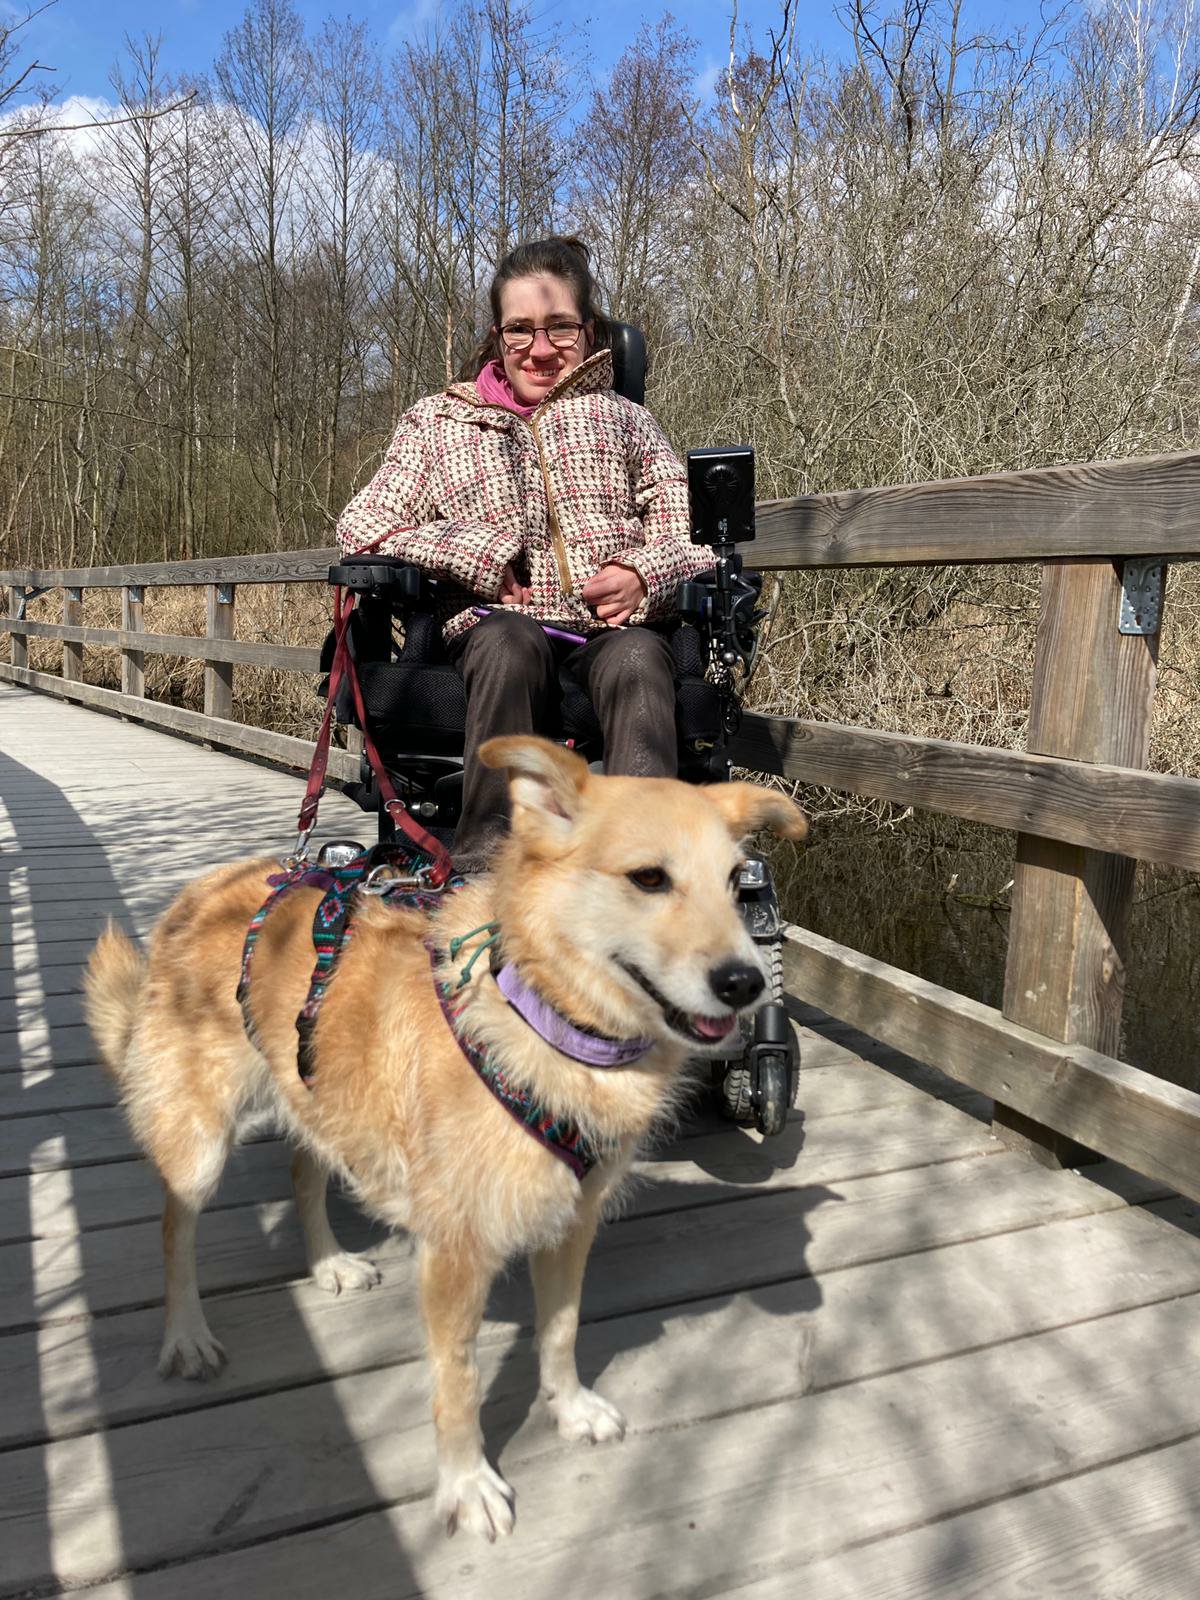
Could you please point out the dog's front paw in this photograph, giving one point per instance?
(585, 1415)
(478, 1499)
(192, 1353)
(345, 1271)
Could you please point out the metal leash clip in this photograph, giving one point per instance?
(385, 879)
(299, 855)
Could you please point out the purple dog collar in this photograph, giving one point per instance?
(591, 1049)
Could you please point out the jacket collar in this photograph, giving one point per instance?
(590, 377)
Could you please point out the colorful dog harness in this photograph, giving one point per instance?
(365, 874)
(331, 930)
(562, 1137)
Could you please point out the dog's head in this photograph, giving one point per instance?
(622, 891)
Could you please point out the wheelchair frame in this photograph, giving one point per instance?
(715, 631)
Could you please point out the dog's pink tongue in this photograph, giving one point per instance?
(712, 1027)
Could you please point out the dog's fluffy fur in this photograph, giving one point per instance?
(597, 873)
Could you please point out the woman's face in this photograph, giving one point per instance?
(539, 302)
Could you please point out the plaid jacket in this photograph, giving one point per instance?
(468, 488)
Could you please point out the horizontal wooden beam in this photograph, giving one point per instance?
(1129, 1115)
(1145, 507)
(1153, 816)
(290, 657)
(278, 747)
(278, 566)
(1098, 508)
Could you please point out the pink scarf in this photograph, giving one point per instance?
(493, 386)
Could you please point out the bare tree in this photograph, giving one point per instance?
(262, 75)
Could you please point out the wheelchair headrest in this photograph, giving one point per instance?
(629, 361)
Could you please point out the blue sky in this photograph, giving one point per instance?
(81, 39)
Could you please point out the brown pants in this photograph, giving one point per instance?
(511, 668)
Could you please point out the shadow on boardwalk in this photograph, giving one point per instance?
(41, 937)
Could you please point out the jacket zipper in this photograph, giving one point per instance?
(556, 538)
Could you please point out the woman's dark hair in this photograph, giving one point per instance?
(557, 257)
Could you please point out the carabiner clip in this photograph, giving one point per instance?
(299, 855)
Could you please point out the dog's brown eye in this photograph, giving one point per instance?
(653, 880)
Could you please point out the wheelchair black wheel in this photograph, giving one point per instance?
(770, 1115)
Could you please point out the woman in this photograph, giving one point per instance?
(536, 489)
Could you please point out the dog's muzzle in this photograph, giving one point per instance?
(697, 1027)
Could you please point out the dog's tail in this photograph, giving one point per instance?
(113, 984)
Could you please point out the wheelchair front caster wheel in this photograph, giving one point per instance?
(773, 1094)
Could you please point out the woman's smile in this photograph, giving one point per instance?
(540, 301)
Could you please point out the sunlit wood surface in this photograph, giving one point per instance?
(875, 1357)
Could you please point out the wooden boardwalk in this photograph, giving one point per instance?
(878, 1356)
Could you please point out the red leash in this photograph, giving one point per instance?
(343, 667)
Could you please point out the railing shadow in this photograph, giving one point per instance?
(75, 1511)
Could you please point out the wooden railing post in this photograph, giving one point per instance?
(218, 675)
(133, 662)
(20, 644)
(1093, 689)
(72, 654)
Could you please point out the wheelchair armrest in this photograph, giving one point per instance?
(388, 576)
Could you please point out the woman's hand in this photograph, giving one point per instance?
(513, 593)
(614, 593)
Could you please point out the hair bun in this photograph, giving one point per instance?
(576, 244)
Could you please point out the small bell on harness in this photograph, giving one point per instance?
(339, 852)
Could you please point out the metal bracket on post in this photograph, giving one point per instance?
(225, 594)
(1141, 594)
(23, 599)
(137, 593)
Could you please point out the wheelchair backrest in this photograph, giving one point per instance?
(629, 361)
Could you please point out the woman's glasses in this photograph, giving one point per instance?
(519, 336)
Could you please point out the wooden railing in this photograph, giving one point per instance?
(1080, 799)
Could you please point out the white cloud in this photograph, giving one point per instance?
(413, 20)
(704, 85)
(74, 113)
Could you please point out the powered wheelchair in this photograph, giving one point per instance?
(414, 704)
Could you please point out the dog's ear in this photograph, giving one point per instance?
(747, 807)
(544, 779)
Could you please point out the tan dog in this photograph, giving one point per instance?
(615, 902)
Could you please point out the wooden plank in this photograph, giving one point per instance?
(68, 1201)
(696, 1510)
(1095, 508)
(1152, 815)
(805, 1343)
(46, 1090)
(281, 566)
(282, 1337)
(1127, 1114)
(133, 660)
(256, 741)
(1119, 1531)
(1093, 692)
(64, 1139)
(295, 658)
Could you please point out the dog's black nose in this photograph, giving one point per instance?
(735, 983)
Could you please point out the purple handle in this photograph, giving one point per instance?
(553, 633)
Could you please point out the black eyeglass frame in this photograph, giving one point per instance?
(527, 337)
